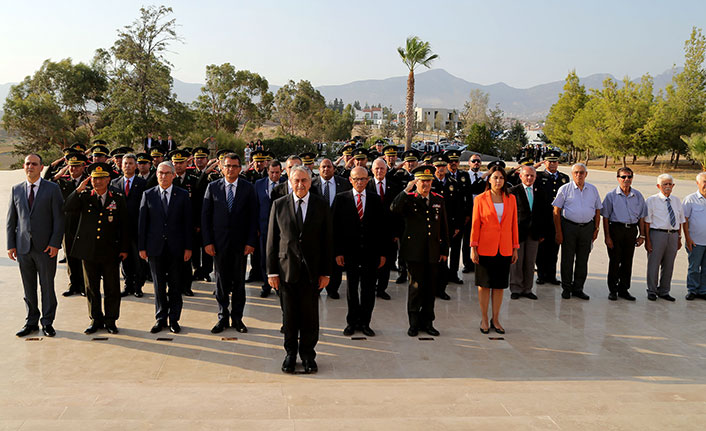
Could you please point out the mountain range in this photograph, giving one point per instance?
(437, 88)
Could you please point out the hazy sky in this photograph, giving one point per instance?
(521, 43)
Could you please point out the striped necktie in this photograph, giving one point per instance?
(672, 217)
(359, 207)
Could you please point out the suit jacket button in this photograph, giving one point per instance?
(100, 221)
(98, 237)
(99, 229)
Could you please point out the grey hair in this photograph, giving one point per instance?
(701, 175)
(299, 168)
(528, 167)
(381, 160)
(167, 164)
(664, 177)
(581, 165)
(130, 156)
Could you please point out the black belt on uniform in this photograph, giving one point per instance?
(625, 225)
(577, 224)
(666, 230)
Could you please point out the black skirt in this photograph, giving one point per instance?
(493, 272)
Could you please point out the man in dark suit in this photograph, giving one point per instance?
(131, 187)
(263, 190)
(101, 242)
(299, 250)
(229, 228)
(384, 185)
(169, 144)
(358, 235)
(165, 239)
(463, 181)
(150, 142)
(35, 226)
(328, 186)
(533, 216)
(285, 187)
(423, 245)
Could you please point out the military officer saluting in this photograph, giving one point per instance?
(101, 242)
(346, 158)
(424, 244)
(258, 167)
(549, 180)
(389, 153)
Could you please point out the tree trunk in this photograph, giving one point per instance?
(654, 160)
(671, 160)
(676, 160)
(634, 159)
(409, 112)
(625, 164)
(588, 156)
(605, 162)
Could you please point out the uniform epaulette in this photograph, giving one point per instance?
(436, 194)
(412, 194)
(65, 176)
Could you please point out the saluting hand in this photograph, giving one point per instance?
(81, 187)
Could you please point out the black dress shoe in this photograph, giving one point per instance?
(264, 293)
(126, 292)
(498, 330)
(174, 327)
(443, 295)
(48, 330)
(401, 279)
(514, 296)
(93, 327)
(188, 292)
(581, 295)
(138, 293)
(540, 281)
(220, 327)
(68, 293)
(240, 326)
(82, 293)
(289, 363)
(310, 366)
(667, 297)
(158, 326)
(384, 295)
(368, 331)
(484, 331)
(207, 277)
(26, 330)
(412, 331)
(432, 331)
(566, 294)
(613, 296)
(626, 295)
(554, 281)
(281, 329)
(651, 296)
(530, 295)
(466, 270)
(111, 328)
(63, 260)
(334, 295)
(690, 296)
(348, 330)
(456, 281)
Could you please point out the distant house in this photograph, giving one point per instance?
(438, 118)
(374, 115)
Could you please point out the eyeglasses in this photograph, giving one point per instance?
(359, 179)
(475, 161)
(625, 177)
(231, 166)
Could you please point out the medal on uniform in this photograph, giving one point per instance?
(451, 188)
(110, 219)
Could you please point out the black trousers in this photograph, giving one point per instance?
(132, 268)
(255, 268)
(166, 271)
(620, 256)
(361, 293)
(455, 254)
(382, 276)
(263, 262)
(200, 260)
(110, 273)
(547, 256)
(186, 276)
(300, 318)
(466, 245)
(422, 290)
(230, 279)
(74, 267)
(336, 277)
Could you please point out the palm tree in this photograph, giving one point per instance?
(415, 53)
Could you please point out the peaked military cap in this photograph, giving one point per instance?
(157, 151)
(99, 170)
(360, 153)
(200, 152)
(552, 156)
(307, 158)
(496, 163)
(143, 158)
(453, 155)
(179, 155)
(76, 158)
(440, 160)
(424, 172)
(100, 150)
(411, 155)
(390, 150)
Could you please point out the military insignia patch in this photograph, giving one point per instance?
(463, 179)
(110, 219)
(451, 188)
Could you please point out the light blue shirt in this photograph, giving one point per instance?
(695, 211)
(578, 206)
(617, 207)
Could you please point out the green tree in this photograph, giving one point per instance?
(56, 106)
(475, 110)
(414, 54)
(337, 126)
(515, 139)
(478, 139)
(697, 147)
(562, 113)
(298, 107)
(234, 100)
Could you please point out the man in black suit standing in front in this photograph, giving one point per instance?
(164, 238)
(131, 187)
(358, 239)
(533, 218)
(229, 229)
(35, 226)
(299, 250)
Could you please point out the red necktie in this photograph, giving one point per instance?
(382, 191)
(359, 206)
(127, 186)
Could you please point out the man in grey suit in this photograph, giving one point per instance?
(35, 227)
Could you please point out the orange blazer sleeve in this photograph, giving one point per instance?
(475, 222)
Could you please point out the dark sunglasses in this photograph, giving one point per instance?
(625, 177)
(475, 161)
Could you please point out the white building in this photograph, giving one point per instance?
(437, 118)
(373, 115)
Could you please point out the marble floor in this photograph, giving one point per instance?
(563, 364)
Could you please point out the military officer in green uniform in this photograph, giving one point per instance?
(346, 158)
(258, 168)
(101, 242)
(448, 188)
(389, 153)
(424, 244)
(463, 180)
(403, 176)
(549, 180)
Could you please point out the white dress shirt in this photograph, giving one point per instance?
(362, 199)
(658, 214)
(305, 204)
(36, 187)
(331, 189)
(169, 193)
(226, 184)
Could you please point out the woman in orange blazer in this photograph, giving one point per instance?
(494, 243)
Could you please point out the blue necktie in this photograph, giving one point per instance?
(230, 197)
(530, 197)
(672, 217)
